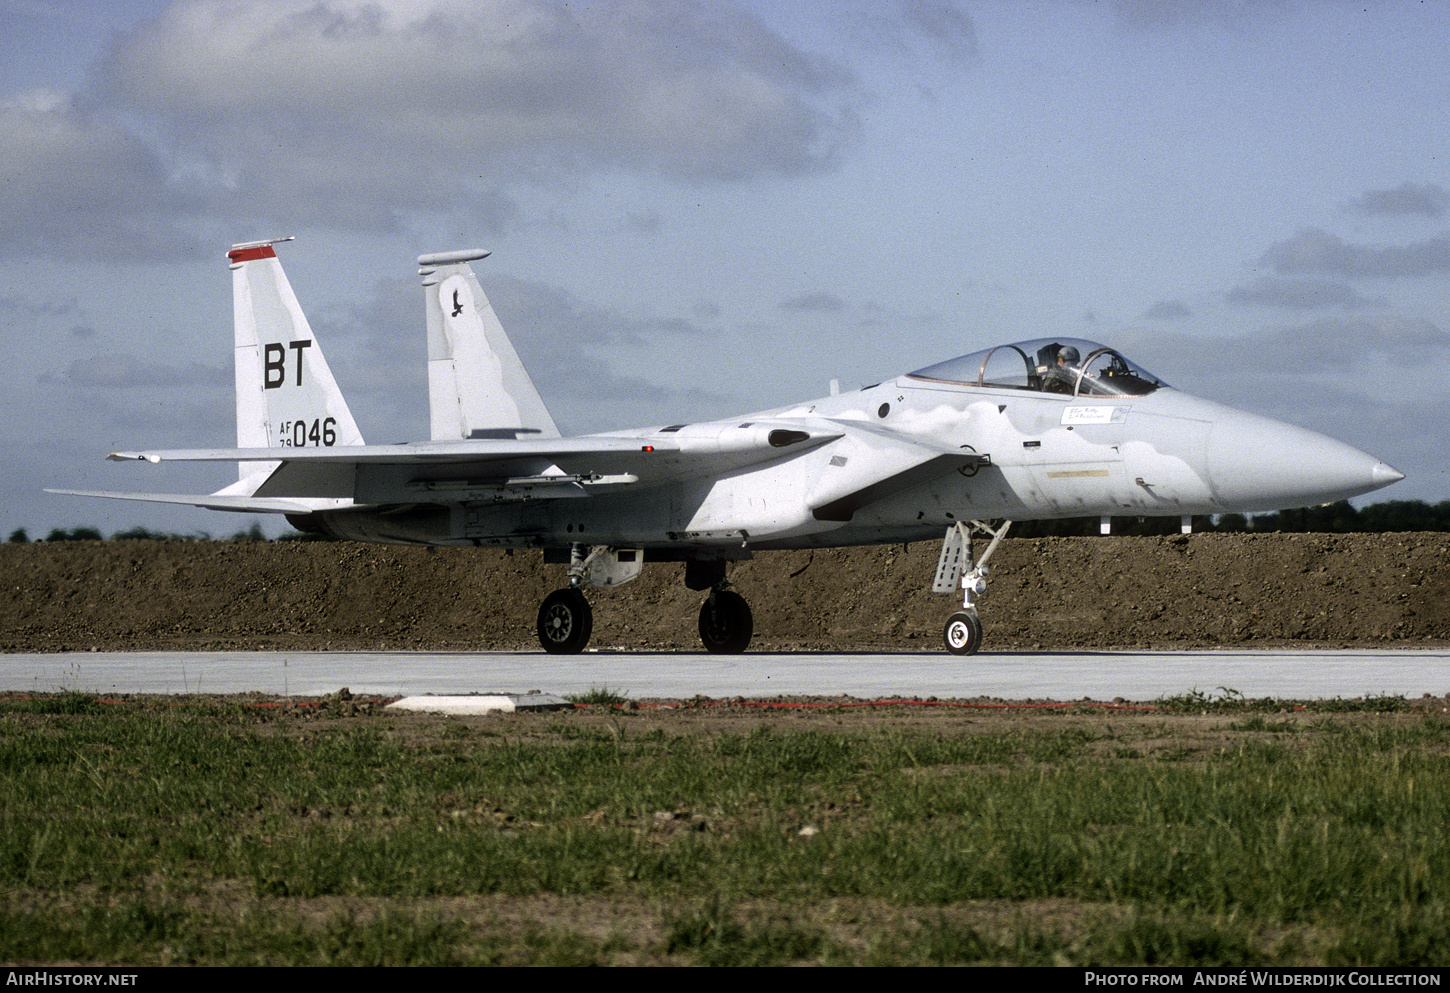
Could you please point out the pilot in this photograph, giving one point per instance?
(1061, 376)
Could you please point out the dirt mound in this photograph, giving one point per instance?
(1180, 591)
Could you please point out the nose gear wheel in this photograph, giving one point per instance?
(963, 634)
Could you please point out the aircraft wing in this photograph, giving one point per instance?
(607, 448)
(869, 463)
(493, 468)
(876, 462)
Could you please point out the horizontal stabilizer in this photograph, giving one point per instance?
(209, 501)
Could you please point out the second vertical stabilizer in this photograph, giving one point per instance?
(477, 386)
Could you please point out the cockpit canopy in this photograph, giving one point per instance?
(1066, 366)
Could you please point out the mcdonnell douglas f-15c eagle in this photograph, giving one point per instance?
(1055, 427)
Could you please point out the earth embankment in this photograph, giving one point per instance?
(1238, 590)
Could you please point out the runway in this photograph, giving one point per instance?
(1104, 676)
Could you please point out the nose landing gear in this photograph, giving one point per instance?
(963, 632)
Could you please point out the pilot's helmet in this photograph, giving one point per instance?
(1068, 355)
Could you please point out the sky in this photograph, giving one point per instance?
(699, 208)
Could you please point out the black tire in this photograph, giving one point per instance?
(725, 623)
(963, 633)
(565, 622)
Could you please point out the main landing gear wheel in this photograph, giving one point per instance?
(725, 623)
(963, 634)
(565, 622)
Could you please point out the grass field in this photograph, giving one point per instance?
(163, 831)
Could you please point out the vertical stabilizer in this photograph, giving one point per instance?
(477, 387)
(286, 396)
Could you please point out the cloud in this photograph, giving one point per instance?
(573, 351)
(17, 304)
(564, 324)
(642, 222)
(1316, 251)
(1159, 14)
(821, 303)
(1428, 199)
(1301, 294)
(117, 372)
(353, 112)
(1335, 343)
(908, 35)
(941, 23)
(1339, 345)
(1168, 310)
(79, 184)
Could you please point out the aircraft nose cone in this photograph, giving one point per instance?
(1261, 464)
(1384, 475)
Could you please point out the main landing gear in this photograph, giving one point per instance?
(963, 632)
(725, 623)
(566, 620)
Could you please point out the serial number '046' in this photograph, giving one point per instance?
(321, 432)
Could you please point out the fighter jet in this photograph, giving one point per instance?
(1049, 428)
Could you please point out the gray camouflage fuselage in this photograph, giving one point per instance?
(1165, 453)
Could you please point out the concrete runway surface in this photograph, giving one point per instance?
(1104, 676)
